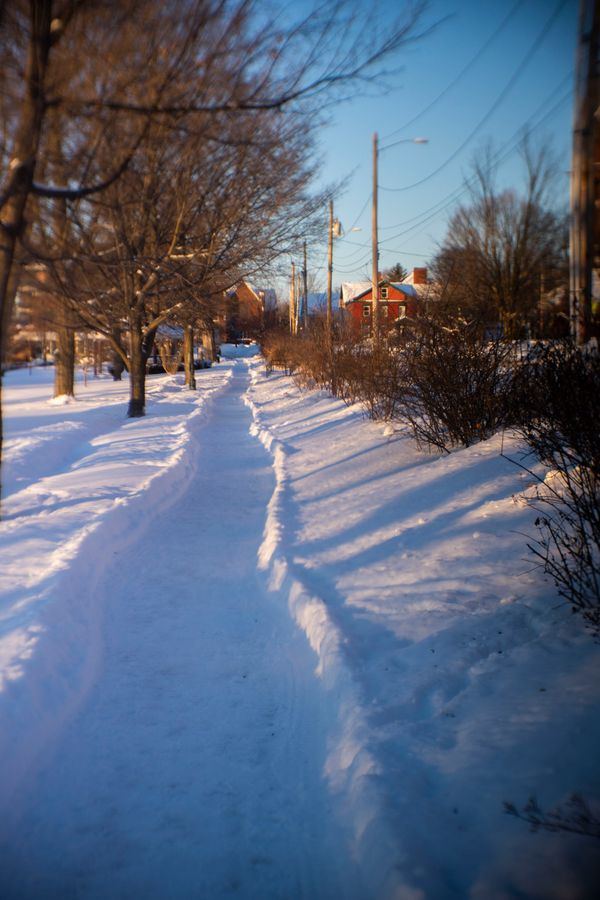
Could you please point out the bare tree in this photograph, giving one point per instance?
(184, 223)
(213, 57)
(504, 249)
(84, 58)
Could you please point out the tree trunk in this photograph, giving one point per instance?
(137, 370)
(24, 156)
(117, 367)
(188, 357)
(213, 344)
(97, 358)
(64, 365)
(22, 165)
(117, 363)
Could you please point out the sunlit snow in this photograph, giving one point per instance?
(253, 644)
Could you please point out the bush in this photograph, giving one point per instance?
(280, 351)
(441, 377)
(454, 387)
(457, 384)
(314, 359)
(560, 389)
(371, 378)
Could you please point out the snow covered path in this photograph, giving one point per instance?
(195, 765)
(169, 728)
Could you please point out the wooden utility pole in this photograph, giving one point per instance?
(329, 320)
(305, 287)
(585, 173)
(293, 301)
(374, 248)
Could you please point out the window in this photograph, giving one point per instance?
(402, 310)
(384, 310)
(383, 293)
(366, 310)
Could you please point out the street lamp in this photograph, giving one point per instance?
(374, 240)
(335, 230)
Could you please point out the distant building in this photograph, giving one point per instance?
(244, 311)
(398, 301)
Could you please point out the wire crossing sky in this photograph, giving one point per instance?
(488, 71)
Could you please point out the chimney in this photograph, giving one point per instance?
(420, 275)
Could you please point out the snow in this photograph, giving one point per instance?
(255, 644)
(406, 288)
(352, 289)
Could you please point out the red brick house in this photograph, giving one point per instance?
(243, 313)
(397, 301)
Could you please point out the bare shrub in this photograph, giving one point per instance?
(347, 376)
(377, 381)
(315, 358)
(456, 384)
(352, 370)
(576, 817)
(560, 387)
(279, 350)
(347, 362)
(441, 377)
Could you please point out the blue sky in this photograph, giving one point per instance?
(520, 56)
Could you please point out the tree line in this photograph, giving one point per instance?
(155, 153)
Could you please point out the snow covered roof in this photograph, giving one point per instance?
(243, 283)
(169, 332)
(317, 300)
(408, 289)
(353, 290)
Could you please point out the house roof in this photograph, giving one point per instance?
(169, 332)
(354, 290)
(261, 295)
(244, 285)
(408, 289)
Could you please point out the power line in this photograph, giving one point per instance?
(460, 75)
(354, 253)
(364, 206)
(358, 265)
(406, 252)
(501, 97)
(503, 153)
(459, 192)
(423, 218)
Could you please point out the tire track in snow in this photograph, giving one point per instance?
(51, 635)
(352, 767)
(194, 767)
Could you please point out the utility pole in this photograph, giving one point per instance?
(293, 301)
(298, 295)
(329, 322)
(375, 274)
(584, 232)
(305, 286)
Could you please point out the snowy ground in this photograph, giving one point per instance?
(252, 645)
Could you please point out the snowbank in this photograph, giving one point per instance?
(452, 677)
(75, 489)
(350, 765)
(461, 681)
